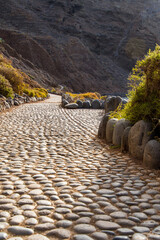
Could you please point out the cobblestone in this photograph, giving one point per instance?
(57, 180)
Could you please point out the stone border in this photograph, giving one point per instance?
(9, 103)
(137, 139)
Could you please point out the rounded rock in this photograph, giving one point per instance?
(20, 230)
(37, 237)
(139, 236)
(84, 228)
(106, 225)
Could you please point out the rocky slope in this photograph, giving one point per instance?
(88, 45)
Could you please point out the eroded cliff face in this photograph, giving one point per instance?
(88, 45)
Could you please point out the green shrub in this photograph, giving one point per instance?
(5, 87)
(144, 96)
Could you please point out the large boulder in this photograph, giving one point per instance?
(102, 104)
(124, 140)
(33, 99)
(67, 97)
(6, 104)
(151, 157)
(138, 138)
(109, 129)
(86, 104)
(102, 127)
(118, 131)
(16, 102)
(111, 103)
(96, 104)
(71, 106)
(64, 102)
(80, 103)
(10, 101)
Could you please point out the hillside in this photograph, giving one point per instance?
(87, 45)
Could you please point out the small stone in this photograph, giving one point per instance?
(3, 235)
(58, 216)
(45, 219)
(44, 212)
(44, 226)
(37, 237)
(125, 231)
(35, 192)
(150, 211)
(16, 220)
(44, 202)
(63, 210)
(83, 220)
(30, 214)
(153, 237)
(84, 228)
(141, 229)
(81, 209)
(31, 221)
(27, 207)
(85, 200)
(64, 223)
(106, 225)
(82, 237)
(4, 214)
(139, 236)
(3, 225)
(125, 222)
(140, 215)
(157, 230)
(15, 238)
(71, 216)
(60, 233)
(99, 236)
(20, 230)
(121, 238)
(102, 217)
(118, 214)
(150, 224)
(25, 201)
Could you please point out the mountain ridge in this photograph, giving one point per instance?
(91, 45)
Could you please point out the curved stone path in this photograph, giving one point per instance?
(57, 180)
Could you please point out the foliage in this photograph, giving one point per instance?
(5, 87)
(14, 77)
(103, 97)
(144, 96)
(83, 96)
(35, 92)
(12, 74)
(53, 90)
(13, 80)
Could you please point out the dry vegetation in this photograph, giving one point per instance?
(144, 96)
(12, 80)
(83, 96)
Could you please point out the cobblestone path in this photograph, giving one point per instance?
(57, 180)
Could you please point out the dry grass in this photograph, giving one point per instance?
(13, 80)
(83, 96)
